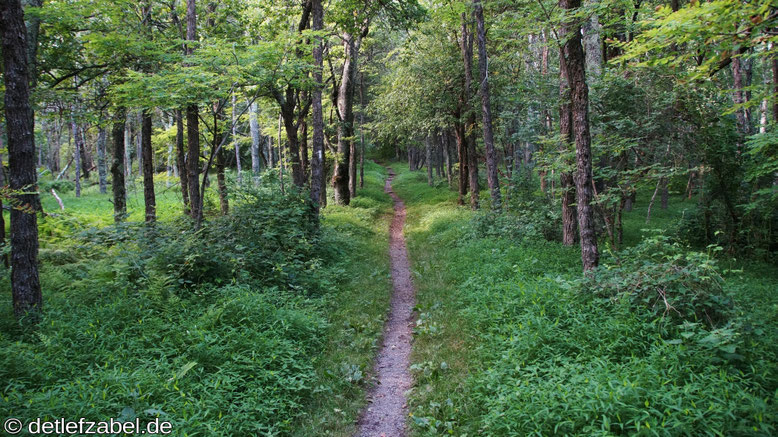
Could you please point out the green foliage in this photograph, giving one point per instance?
(666, 278)
(236, 329)
(61, 186)
(508, 344)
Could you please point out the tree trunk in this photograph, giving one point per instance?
(566, 182)
(774, 65)
(183, 175)
(127, 153)
(486, 111)
(193, 163)
(76, 153)
(193, 128)
(361, 131)
(270, 153)
(352, 170)
(447, 154)
(630, 201)
(256, 164)
(576, 77)
(739, 98)
(472, 165)
(345, 104)
(117, 169)
(25, 282)
(459, 133)
(665, 194)
(101, 167)
(221, 182)
(592, 44)
(219, 160)
(148, 167)
(281, 161)
(428, 158)
(317, 157)
(54, 134)
(139, 144)
(3, 182)
(235, 140)
(169, 165)
(305, 164)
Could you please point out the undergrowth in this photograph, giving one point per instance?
(510, 340)
(249, 326)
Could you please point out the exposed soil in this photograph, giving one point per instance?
(387, 408)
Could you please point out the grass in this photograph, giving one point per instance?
(507, 345)
(356, 313)
(230, 353)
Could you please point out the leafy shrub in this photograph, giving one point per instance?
(666, 278)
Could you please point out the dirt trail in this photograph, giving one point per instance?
(387, 409)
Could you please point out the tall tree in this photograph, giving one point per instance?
(469, 126)
(183, 172)
(25, 282)
(566, 181)
(117, 168)
(317, 157)
(101, 165)
(352, 40)
(147, 161)
(193, 127)
(486, 110)
(255, 150)
(575, 63)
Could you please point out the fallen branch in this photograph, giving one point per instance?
(61, 205)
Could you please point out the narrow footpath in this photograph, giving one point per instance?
(387, 408)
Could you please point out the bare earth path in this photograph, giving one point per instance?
(387, 409)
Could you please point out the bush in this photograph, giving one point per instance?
(666, 278)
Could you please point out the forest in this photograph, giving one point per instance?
(389, 217)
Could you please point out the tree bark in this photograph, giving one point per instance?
(76, 153)
(472, 164)
(447, 154)
(592, 44)
(235, 143)
(459, 134)
(428, 158)
(139, 143)
(362, 130)
(345, 104)
(170, 167)
(148, 167)
(739, 97)
(566, 182)
(117, 168)
(255, 151)
(774, 65)
(317, 157)
(128, 177)
(579, 91)
(101, 166)
(183, 176)
(304, 163)
(25, 282)
(486, 111)
(665, 194)
(193, 127)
